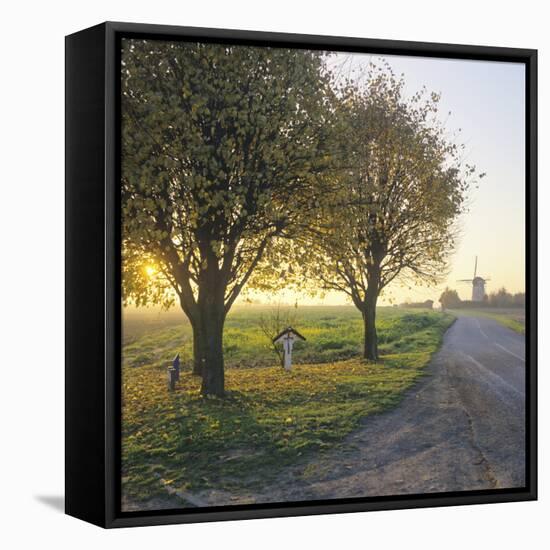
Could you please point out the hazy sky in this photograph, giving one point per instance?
(487, 101)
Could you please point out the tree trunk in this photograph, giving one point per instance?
(370, 350)
(212, 353)
(198, 350)
(208, 331)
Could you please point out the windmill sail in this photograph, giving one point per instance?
(478, 285)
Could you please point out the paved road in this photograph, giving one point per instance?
(485, 362)
(461, 428)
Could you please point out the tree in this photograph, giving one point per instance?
(501, 298)
(449, 299)
(519, 299)
(402, 185)
(221, 150)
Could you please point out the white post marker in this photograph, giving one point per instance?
(287, 337)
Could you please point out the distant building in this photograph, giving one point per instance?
(428, 304)
(478, 285)
(478, 289)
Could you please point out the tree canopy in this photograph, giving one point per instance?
(222, 149)
(402, 185)
(449, 299)
(243, 163)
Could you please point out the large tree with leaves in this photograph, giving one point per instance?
(401, 188)
(221, 148)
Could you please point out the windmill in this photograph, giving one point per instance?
(478, 285)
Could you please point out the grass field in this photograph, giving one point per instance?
(333, 333)
(270, 418)
(513, 318)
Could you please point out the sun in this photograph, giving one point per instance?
(150, 270)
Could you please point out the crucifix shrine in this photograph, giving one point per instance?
(287, 337)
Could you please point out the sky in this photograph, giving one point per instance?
(487, 102)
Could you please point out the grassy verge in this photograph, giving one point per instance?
(513, 319)
(269, 419)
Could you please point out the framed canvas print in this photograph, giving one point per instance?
(301, 274)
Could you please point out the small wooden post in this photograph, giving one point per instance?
(171, 378)
(176, 366)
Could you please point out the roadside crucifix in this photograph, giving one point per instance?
(287, 337)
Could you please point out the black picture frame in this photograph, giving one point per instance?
(93, 317)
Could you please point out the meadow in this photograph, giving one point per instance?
(332, 333)
(270, 418)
